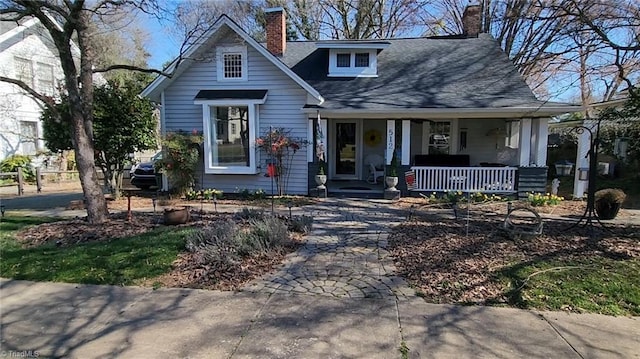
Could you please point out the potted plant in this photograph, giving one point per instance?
(392, 177)
(321, 177)
(608, 202)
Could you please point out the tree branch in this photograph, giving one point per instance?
(133, 68)
(46, 100)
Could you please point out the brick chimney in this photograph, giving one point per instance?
(276, 30)
(471, 20)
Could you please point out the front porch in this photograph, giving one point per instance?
(468, 155)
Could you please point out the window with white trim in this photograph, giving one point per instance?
(226, 152)
(232, 63)
(44, 79)
(353, 63)
(29, 137)
(24, 70)
(362, 59)
(343, 60)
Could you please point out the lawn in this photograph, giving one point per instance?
(594, 284)
(121, 261)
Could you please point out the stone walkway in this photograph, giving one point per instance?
(345, 256)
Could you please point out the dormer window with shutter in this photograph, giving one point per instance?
(353, 58)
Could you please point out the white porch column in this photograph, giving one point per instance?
(582, 161)
(539, 152)
(323, 140)
(524, 147)
(391, 140)
(310, 138)
(406, 142)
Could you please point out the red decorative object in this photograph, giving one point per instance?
(410, 179)
(272, 170)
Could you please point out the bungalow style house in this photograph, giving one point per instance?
(454, 110)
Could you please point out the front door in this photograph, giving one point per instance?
(345, 149)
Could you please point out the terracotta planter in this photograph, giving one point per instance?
(174, 216)
(607, 209)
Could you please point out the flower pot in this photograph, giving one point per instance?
(391, 182)
(321, 180)
(174, 216)
(607, 209)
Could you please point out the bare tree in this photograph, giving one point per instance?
(557, 41)
(369, 19)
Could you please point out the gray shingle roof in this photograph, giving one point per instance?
(419, 73)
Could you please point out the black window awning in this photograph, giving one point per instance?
(231, 95)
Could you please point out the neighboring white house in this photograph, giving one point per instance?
(455, 109)
(28, 54)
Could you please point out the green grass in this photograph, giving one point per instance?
(117, 262)
(597, 285)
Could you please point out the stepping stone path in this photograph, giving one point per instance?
(345, 256)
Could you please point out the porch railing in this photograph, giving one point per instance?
(465, 179)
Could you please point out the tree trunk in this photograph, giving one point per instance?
(80, 105)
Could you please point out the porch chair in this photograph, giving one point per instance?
(376, 168)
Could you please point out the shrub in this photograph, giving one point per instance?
(209, 193)
(611, 195)
(191, 195)
(265, 234)
(180, 156)
(250, 213)
(301, 224)
(11, 164)
(483, 197)
(222, 245)
(215, 245)
(453, 196)
(539, 199)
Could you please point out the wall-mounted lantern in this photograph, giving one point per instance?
(563, 168)
(583, 173)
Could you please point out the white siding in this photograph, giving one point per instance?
(282, 108)
(32, 44)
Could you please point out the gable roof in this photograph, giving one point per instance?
(161, 82)
(12, 32)
(437, 75)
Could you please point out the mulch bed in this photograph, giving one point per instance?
(455, 261)
(78, 230)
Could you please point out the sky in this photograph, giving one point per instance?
(161, 45)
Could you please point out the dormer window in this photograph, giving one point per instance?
(232, 63)
(362, 59)
(353, 63)
(353, 58)
(343, 60)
